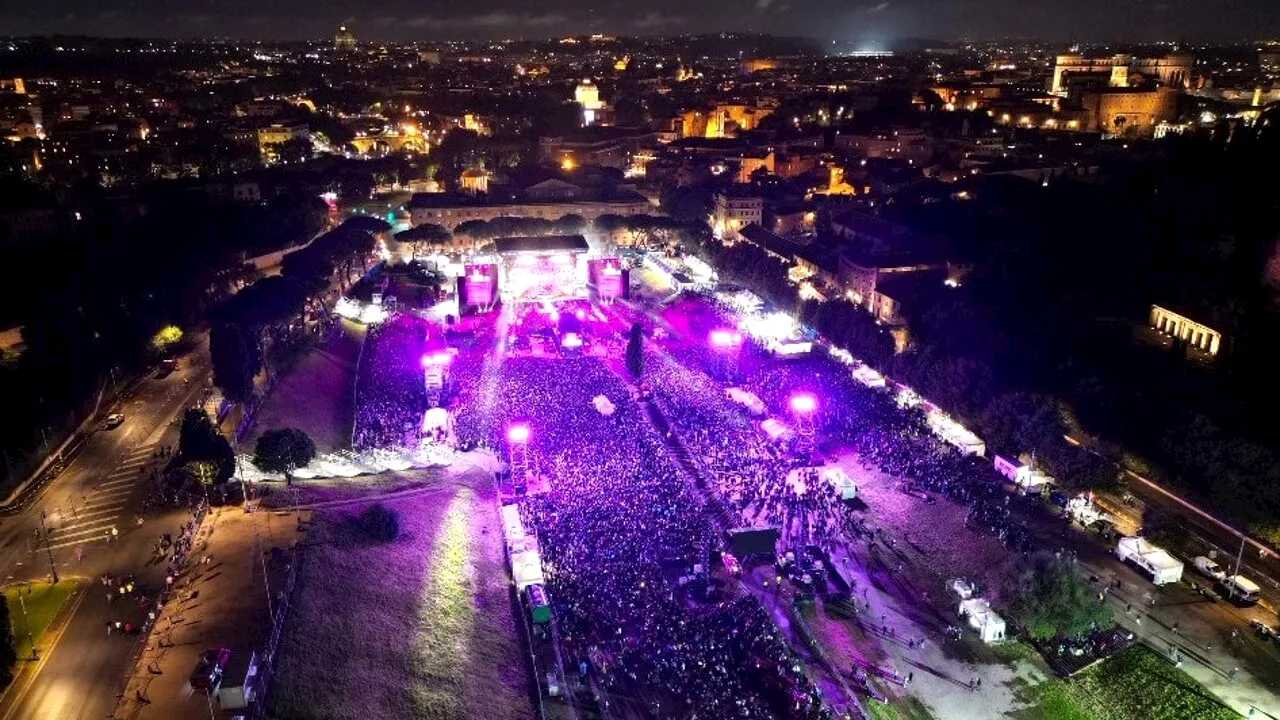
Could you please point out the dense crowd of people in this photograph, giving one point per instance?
(390, 393)
(614, 512)
(618, 513)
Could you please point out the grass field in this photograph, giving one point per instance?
(43, 602)
(1137, 684)
(418, 628)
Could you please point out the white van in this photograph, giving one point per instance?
(1240, 590)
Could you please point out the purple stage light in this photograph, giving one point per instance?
(518, 433)
(439, 359)
(804, 403)
(725, 338)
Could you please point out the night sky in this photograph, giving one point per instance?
(873, 21)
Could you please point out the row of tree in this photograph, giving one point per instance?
(271, 313)
(102, 289)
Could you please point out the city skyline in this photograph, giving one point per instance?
(875, 22)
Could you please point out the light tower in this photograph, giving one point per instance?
(518, 456)
(727, 344)
(803, 406)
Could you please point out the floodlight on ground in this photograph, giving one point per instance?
(518, 433)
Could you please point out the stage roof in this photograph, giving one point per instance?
(540, 244)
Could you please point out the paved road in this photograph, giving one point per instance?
(79, 677)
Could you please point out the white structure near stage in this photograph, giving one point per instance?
(978, 613)
(1158, 564)
(347, 464)
(747, 400)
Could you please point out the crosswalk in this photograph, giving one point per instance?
(98, 509)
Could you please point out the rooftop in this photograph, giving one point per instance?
(540, 244)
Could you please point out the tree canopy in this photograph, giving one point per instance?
(1050, 599)
(282, 451)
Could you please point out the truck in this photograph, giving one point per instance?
(1153, 561)
(1240, 590)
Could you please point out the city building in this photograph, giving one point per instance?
(587, 94)
(1120, 71)
(1181, 327)
(344, 40)
(734, 209)
(614, 147)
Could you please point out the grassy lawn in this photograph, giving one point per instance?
(907, 708)
(419, 628)
(1137, 684)
(43, 602)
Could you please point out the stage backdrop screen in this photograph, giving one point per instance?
(481, 285)
(607, 276)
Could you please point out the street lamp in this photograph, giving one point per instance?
(45, 532)
(25, 618)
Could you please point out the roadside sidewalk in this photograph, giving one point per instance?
(222, 600)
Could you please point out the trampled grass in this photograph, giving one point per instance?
(418, 628)
(1137, 684)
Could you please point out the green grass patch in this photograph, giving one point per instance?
(1137, 684)
(907, 708)
(43, 603)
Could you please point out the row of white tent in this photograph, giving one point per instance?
(522, 549)
(348, 464)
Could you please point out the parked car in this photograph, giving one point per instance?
(1059, 498)
(209, 668)
(114, 420)
(1209, 568)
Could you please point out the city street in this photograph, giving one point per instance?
(91, 511)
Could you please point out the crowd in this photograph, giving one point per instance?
(390, 390)
(619, 514)
(751, 471)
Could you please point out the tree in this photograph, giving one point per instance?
(1024, 422)
(380, 523)
(635, 351)
(1050, 599)
(8, 645)
(428, 235)
(233, 365)
(282, 451)
(166, 339)
(570, 224)
(200, 442)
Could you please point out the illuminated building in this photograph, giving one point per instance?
(1181, 327)
(344, 40)
(1129, 112)
(588, 96)
(612, 147)
(273, 135)
(475, 180)
(734, 210)
(1117, 71)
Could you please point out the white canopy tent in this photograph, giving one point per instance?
(983, 619)
(747, 400)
